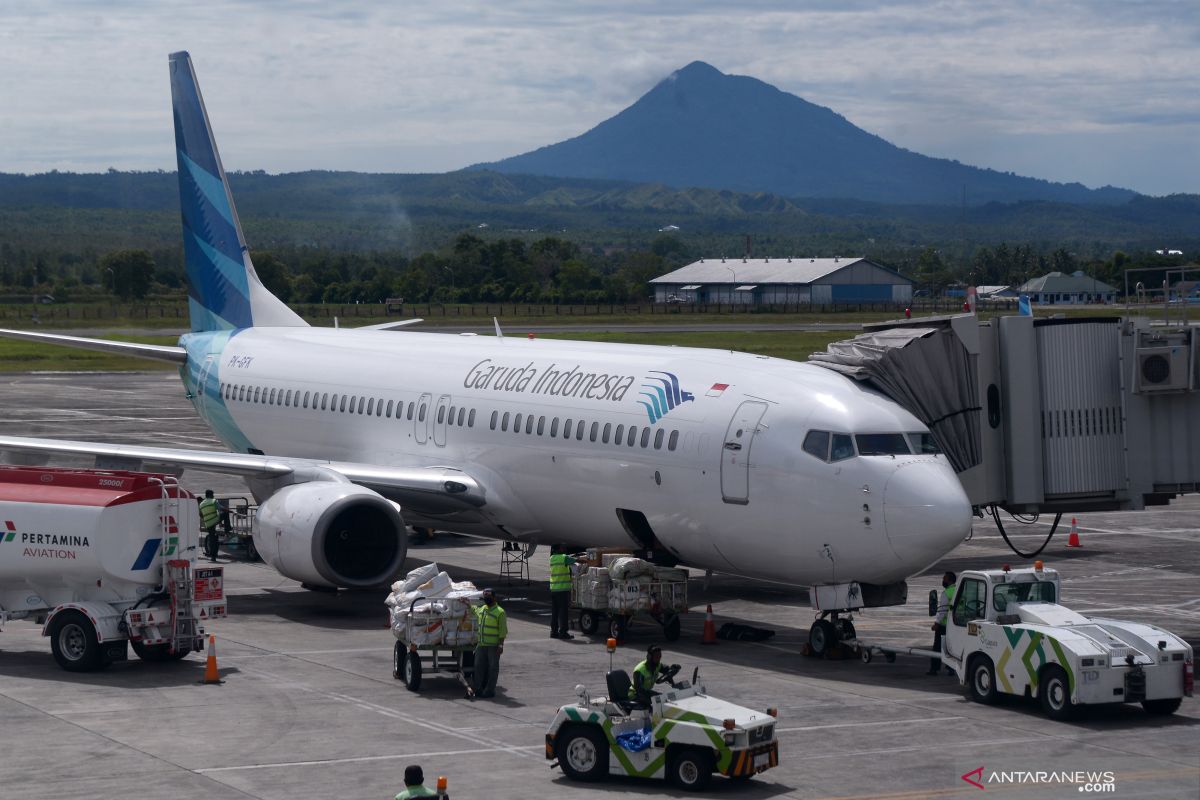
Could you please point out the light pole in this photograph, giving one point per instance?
(734, 274)
(112, 280)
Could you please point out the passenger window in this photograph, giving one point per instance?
(471, 419)
(421, 413)
(342, 405)
(619, 436)
(595, 429)
(541, 425)
(255, 399)
(441, 414)
(391, 404)
(371, 406)
(287, 401)
(529, 425)
(816, 443)
(658, 439)
(674, 440)
(411, 408)
(517, 424)
(269, 397)
(554, 427)
(970, 601)
(645, 437)
(632, 435)
(579, 430)
(361, 401)
(842, 447)
(495, 414)
(306, 394)
(450, 416)
(462, 413)
(607, 431)
(241, 393)
(324, 397)
(504, 422)
(567, 429)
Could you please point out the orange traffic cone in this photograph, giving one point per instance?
(710, 630)
(1073, 539)
(210, 669)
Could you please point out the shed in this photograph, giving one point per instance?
(763, 281)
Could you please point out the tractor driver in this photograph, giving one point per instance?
(648, 673)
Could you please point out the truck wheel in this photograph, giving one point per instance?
(73, 642)
(582, 752)
(1162, 707)
(690, 768)
(822, 636)
(589, 621)
(981, 680)
(671, 628)
(1055, 694)
(616, 628)
(157, 652)
(412, 672)
(398, 661)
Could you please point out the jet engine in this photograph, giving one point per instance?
(332, 534)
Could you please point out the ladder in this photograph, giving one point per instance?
(177, 571)
(514, 562)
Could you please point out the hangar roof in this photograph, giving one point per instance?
(757, 271)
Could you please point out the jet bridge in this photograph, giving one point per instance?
(1053, 415)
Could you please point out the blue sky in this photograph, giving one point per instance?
(1097, 92)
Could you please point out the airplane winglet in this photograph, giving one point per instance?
(499, 333)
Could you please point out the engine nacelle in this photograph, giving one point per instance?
(329, 533)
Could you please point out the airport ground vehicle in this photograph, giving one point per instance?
(1007, 634)
(104, 558)
(660, 600)
(681, 734)
(427, 646)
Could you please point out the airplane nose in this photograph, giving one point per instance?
(925, 511)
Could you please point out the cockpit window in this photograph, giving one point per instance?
(924, 443)
(843, 447)
(882, 444)
(816, 443)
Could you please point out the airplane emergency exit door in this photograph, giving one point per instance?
(735, 452)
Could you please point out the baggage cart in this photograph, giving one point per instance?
(413, 656)
(628, 599)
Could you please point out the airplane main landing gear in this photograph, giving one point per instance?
(828, 632)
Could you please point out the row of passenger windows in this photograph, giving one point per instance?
(459, 416)
(832, 447)
(578, 429)
(347, 404)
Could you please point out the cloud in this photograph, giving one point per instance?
(298, 84)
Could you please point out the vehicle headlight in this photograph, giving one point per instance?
(730, 737)
(1090, 675)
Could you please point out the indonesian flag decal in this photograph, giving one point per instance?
(716, 390)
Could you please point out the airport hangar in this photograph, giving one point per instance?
(766, 281)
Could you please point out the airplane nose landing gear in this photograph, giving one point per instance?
(828, 633)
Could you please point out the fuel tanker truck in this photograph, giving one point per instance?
(102, 559)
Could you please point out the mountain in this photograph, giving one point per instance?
(701, 127)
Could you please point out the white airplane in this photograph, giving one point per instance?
(719, 460)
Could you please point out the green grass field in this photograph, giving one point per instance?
(22, 356)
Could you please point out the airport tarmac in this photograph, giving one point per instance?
(309, 708)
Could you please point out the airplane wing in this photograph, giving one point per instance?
(432, 491)
(157, 352)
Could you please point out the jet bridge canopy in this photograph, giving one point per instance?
(1055, 415)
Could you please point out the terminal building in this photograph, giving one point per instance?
(1057, 288)
(767, 281)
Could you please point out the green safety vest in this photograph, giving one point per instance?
(560, 572)
(643, 679)
(209, 513)
(949, 591)
(493, 625)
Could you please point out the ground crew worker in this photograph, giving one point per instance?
(210, 514)
(646, 674)
(493, 629)
(945, 602)
(414, 784)
(560, 591)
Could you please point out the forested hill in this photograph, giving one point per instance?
(701, 127)
(370, 211)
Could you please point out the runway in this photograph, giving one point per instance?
(309, 708)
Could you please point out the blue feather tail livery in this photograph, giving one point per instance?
(224, 292)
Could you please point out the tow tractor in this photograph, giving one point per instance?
(682, 734)
(1007, 634)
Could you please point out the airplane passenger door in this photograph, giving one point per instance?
(421, 418)
(439, 420)
(202, 399)
(735, 452)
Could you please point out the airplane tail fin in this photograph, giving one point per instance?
(224, 291)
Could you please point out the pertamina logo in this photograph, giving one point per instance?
(662, 395)
(10, 530)
(50, 545)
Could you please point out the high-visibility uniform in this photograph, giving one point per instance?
(493, 625)
(560, 572)
(643, 679)
(209, 513)
(944, 605)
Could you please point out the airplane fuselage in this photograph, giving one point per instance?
(696, 451)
